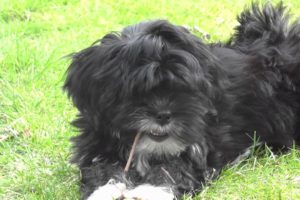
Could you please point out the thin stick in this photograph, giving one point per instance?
(136, 139)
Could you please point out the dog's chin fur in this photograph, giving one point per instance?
(148, 148)
(197, 106)
(168, 147)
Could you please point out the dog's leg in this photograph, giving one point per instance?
(112, 190)
(150, 192)
(104, 180)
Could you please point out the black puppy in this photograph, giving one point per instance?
(197, 106)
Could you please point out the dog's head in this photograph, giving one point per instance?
(154, 78)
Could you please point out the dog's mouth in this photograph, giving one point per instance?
(158, 136)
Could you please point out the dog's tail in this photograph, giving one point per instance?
(268, 23)
(267, 34)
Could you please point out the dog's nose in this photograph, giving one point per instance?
(163, 117)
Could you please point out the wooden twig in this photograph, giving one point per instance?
(136, 139)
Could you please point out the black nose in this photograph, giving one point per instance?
(163, 117)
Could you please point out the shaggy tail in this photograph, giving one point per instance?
(266, 34)
(269, 24)
(266, 31)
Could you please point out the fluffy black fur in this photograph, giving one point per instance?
(199, 106)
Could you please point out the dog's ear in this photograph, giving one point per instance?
(84, 83)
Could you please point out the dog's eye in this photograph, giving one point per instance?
(212, 117)
(142, 104)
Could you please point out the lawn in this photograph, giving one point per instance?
(35, 114)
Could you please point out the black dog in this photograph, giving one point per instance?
(197, 106)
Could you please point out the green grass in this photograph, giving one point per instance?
(35, 114)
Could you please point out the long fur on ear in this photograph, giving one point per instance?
(84, 89)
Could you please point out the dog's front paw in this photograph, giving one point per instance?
(112, 190)
(149, 192)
